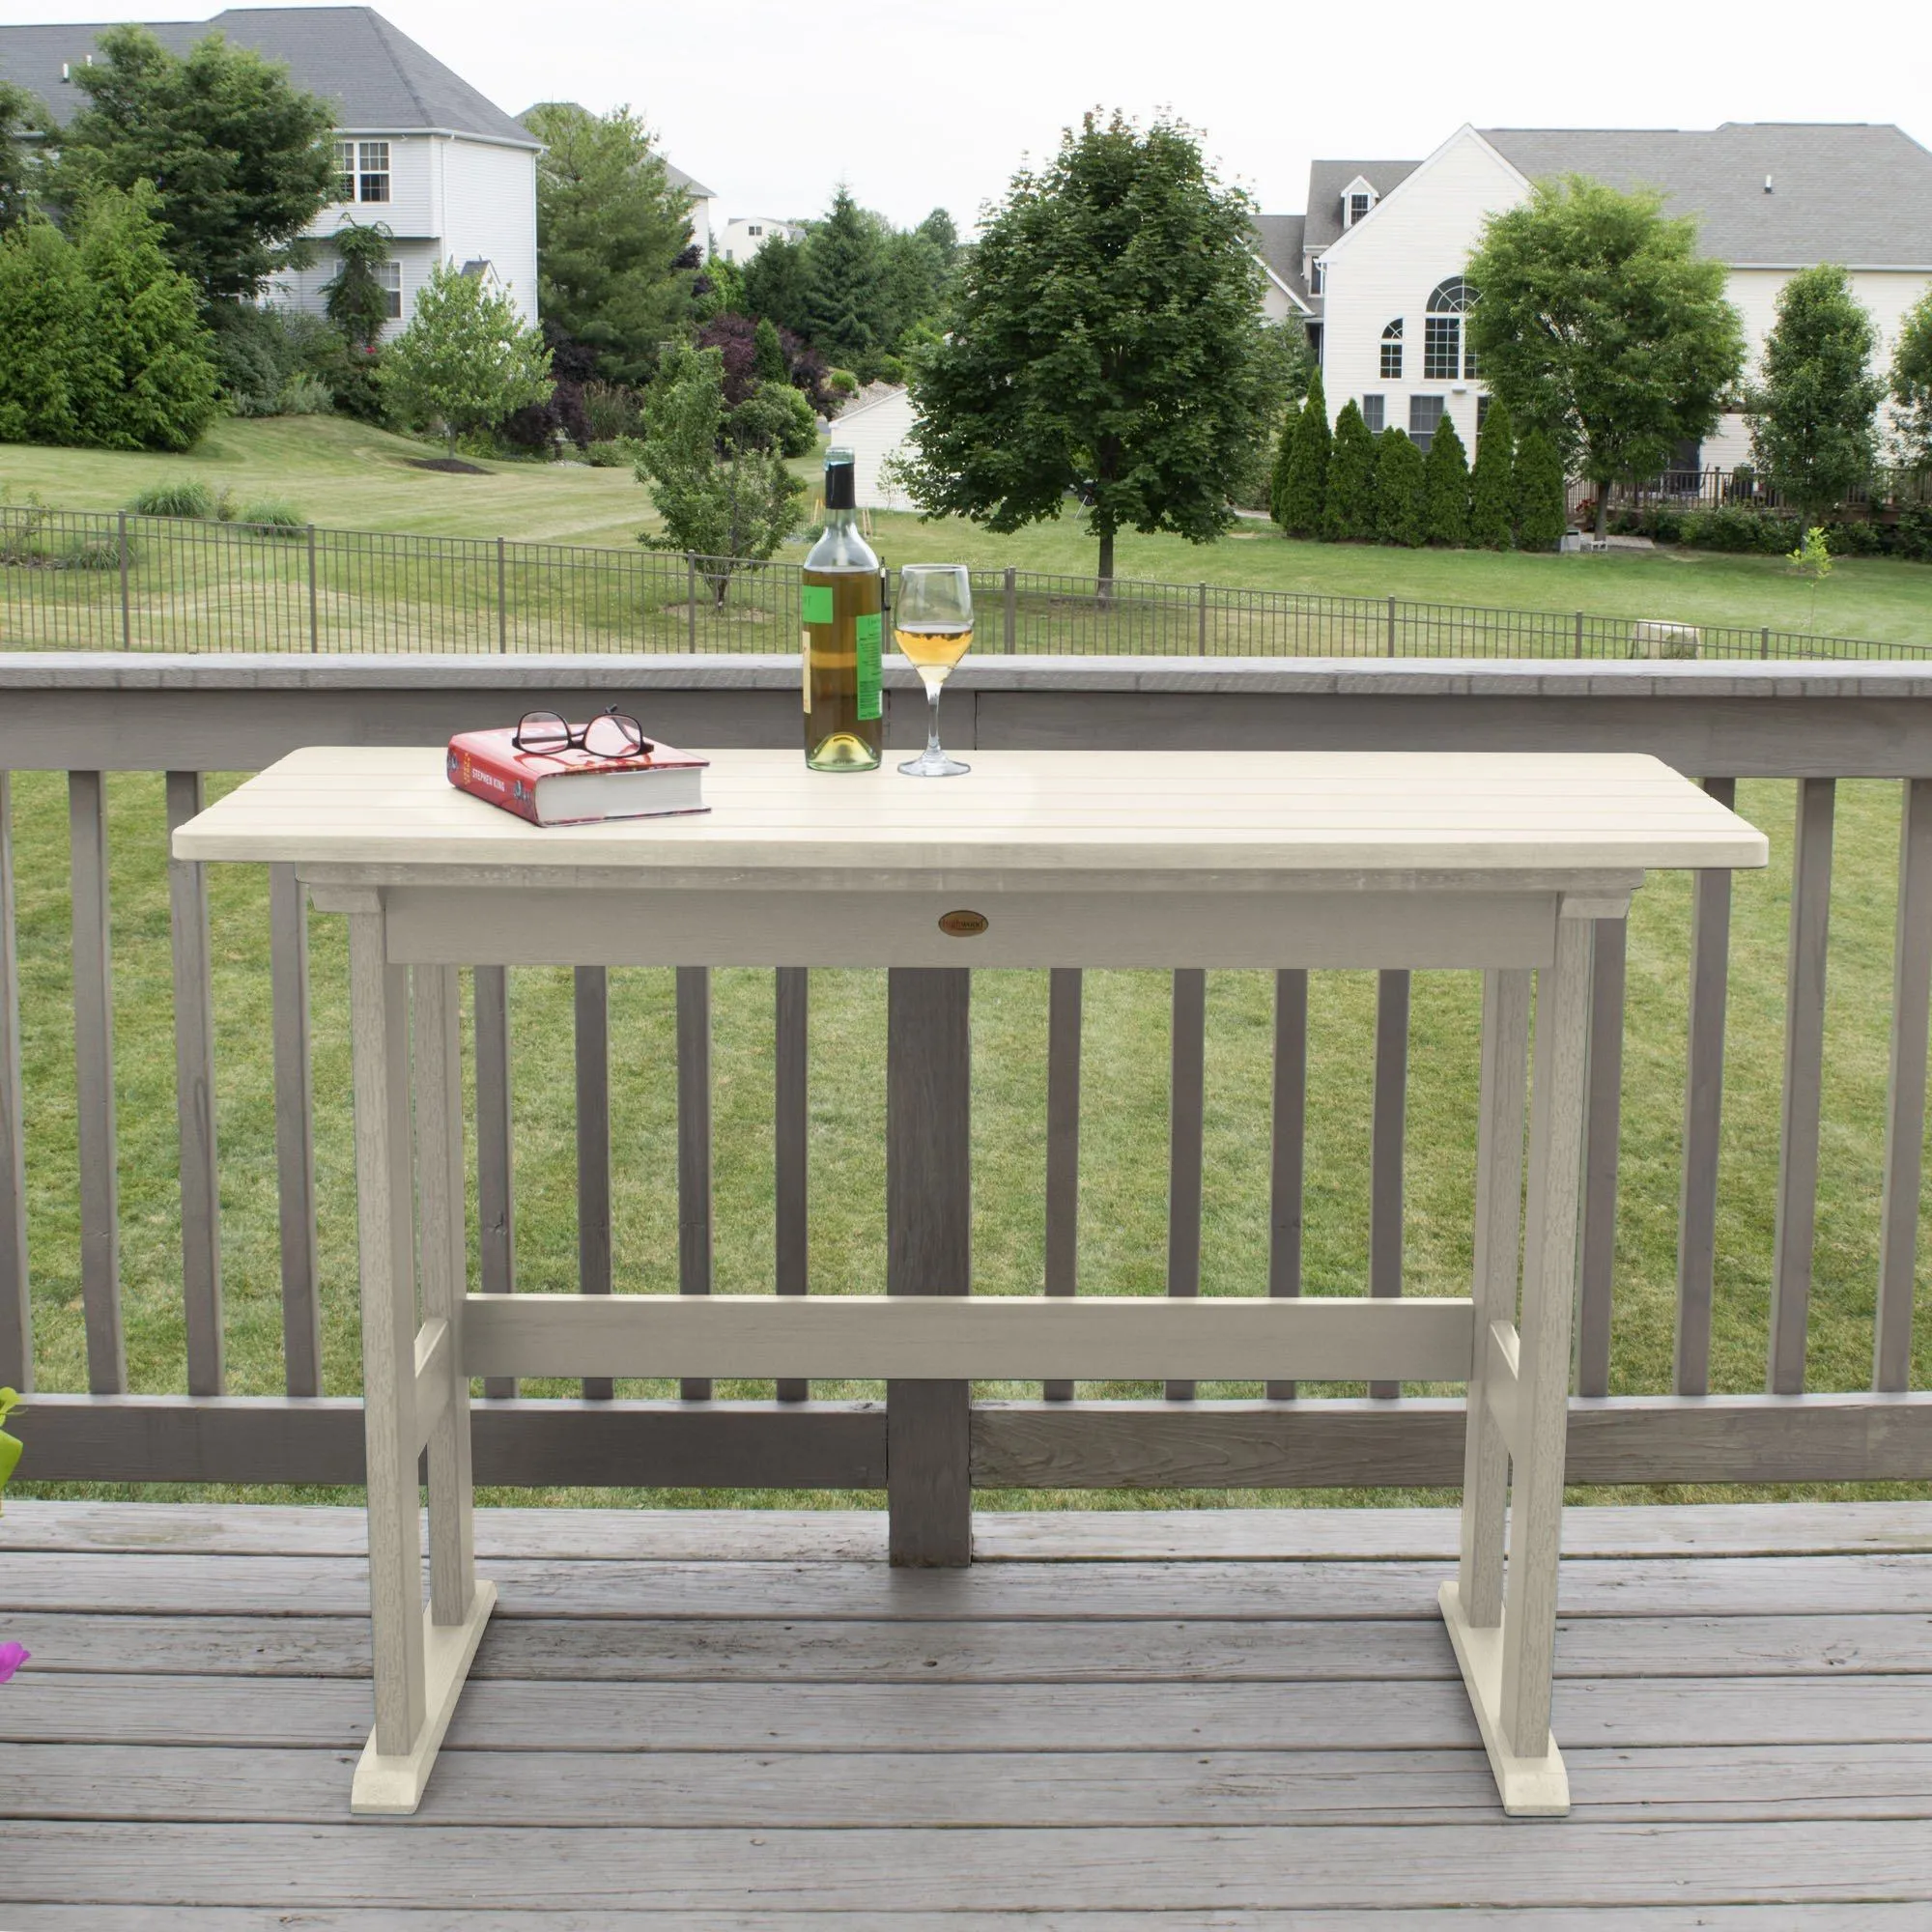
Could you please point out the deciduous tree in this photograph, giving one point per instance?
(717, 500)
(466, 360)
(240, 160)
(1814, 412)
(1399, 482)
(611, 234)
(20, 113)
(1600, 325)
(1912, 383)
(354, 299)
(1491, 517)
(1349, 514)
(1104, 345)
(1445, 488)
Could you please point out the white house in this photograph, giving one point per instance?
(703, 205)
(416, 148)
(743, 235)
(1383, 244)
(875, 429)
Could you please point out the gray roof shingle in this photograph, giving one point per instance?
(1278, 239)
(377, 77)
(1859, 193)
(1328, 179)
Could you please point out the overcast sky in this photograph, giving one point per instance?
(923, 103)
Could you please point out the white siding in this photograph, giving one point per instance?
(489, 212)
(872, 434)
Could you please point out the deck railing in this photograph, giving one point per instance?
(102, 580)
(88, 716)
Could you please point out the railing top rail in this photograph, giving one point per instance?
(1385, 677)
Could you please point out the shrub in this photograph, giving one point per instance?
(1398, 486)
(841, 382)
(1490, 518)
(611, 410)
(97, 553)
(306, 394)
(253, 356)
(274, 515)
(1912, 534)
(1284, 461)
(1348, 516)
(1732, 528)
(181, 497)
(1541, 514)
(46, 309)
(773, 416)
(1445, 488)
(617, 453)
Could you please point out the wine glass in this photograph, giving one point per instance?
(932, 624)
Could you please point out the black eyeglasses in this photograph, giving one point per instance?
(612, 734)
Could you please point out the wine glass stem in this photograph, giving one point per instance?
(932, 749)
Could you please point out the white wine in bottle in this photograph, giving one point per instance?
(841, 599)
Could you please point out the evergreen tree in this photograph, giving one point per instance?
(772, 284)
(1398, 486)
(1445, 488)
(1307, 490)
(768, 356)
(151, 380)
(354, 299)
(45, 321)
(1283, 464)
(1349, 514)
(1540, 512)
(1491, 513)
(846, 283)
(1814, 418)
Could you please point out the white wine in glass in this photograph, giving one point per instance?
(932, 625)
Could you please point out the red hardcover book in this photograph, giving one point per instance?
(571, 787)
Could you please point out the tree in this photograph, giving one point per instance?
(46, 335)
(1445, 488)
(610, 231)
(1490, 512)
(1600, 325)
(768, 358)
(774, 282)
(1305, 493)
(1912, 383)
(151, 380)
(1105, 340)
(20, 113)
(466, 358)
(1815, 414)
(1283, 465)
(240, 160)
(724, 506)
(354, 299)
(1348, 516)
(846, 296)
(1538, 487)
(1399, 484)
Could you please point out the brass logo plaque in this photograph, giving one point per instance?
(963, 925)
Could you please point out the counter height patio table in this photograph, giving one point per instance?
(1500, 862)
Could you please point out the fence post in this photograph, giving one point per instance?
(1203, 620)
(690, 599)
(314, 620)
(126, 621)
(1580, 634)
(1764, 642)
(1391, 627)
(503, 604)
(1012, 606)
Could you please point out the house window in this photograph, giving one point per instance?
(1482, 412)
(389, 278)
(372, 174)
(1442, 358)
(1424, 414)
(345, 171)
(754, 229)
(1374, 413)
(1317, 274)
(1392, 352)
(1358, 206)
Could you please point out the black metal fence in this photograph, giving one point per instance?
(104, 581)
(1743, 487)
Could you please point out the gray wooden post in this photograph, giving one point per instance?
(1065, 987)
(1186, 1087)
(928, 1251)
(496, 1176)
(94, 1086)
(295, 1131)
(16, 1317)
(1386, 1135)
(694, 1145)
(593, 1145)
(1600, 1136)
(791, 1145)
(1289, 1147)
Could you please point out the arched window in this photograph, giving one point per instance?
(1443, 332)
(1392, 351)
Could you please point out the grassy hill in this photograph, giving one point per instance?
(350, 476)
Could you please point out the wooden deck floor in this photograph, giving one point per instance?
(1229, 1719)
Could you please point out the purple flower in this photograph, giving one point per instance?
(12, 1656)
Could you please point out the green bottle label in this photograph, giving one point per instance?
(816, 603)
(869, 652)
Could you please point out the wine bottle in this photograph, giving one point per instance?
(842, 600)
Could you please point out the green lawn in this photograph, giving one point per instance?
(1125, 1124)
(349, 476)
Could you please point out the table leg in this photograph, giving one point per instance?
(1525, 1386)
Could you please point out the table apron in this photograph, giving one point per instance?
(641, 926)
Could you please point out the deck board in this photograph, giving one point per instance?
(1116, 1722)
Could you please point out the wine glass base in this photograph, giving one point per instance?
(934, 765)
